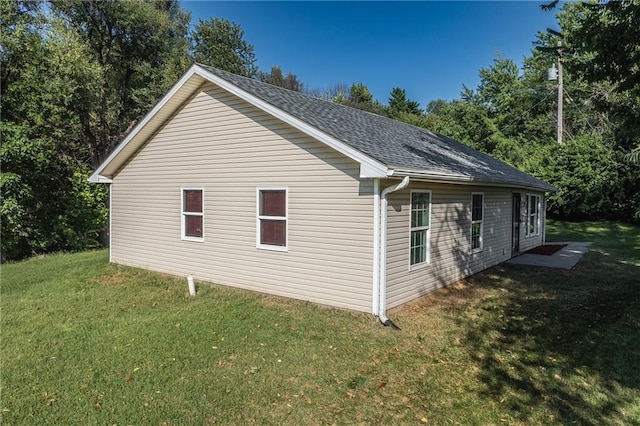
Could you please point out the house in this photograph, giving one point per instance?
(241, 183)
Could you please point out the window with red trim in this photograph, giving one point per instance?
(192, 214)
(272, 218)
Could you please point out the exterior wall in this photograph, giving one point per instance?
(451, 258)
(229, 148)
(529, 242)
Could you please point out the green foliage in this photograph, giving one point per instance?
(602, 38)
(76, 76)
(498, 85)
(47, 202)
(463, 121)
(220, 43)
(360, 94)
(19, 38)
(512, 114)
(601, 47)
(587, 173)
(359, 97)
(399, 104)
(277, 78)
(137, 48)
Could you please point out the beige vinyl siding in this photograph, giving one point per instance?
(451, 257)
(229, 148)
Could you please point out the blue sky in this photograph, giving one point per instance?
(427, 48)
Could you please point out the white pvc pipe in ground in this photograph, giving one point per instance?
(192, 286)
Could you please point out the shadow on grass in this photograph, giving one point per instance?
(560, 346)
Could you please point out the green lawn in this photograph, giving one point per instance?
(85, 342)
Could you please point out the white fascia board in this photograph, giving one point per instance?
(417, 173)
(99, 179)
(96, 177)
(369, 168)
(425, 176)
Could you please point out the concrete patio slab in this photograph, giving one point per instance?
(566, 258)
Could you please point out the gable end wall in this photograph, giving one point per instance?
(229, 148)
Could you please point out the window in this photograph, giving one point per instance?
(477, 215)
(272, 219)
(420, 212)
(533, 215)
(192, 215)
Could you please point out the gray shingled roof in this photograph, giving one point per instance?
(397, 145)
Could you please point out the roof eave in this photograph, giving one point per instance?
(438, 177)
(97, 178)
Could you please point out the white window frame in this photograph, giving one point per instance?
(184, 214)
(535, 216)
(474, 222)
(426, 229)
(260, 217)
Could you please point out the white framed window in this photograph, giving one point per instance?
(477, 221)
(420, 227)
(192, 214)
(533, 215)
(272, 223)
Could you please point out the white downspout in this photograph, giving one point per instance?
(382, 286)
(376, 247)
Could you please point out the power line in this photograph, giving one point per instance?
(513, 123)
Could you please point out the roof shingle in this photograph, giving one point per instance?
(393, 143)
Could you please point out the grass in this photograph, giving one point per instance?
(85, 342)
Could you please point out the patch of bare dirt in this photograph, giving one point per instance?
(115, 278)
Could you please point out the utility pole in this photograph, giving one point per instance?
(560, 92)
(556, 74)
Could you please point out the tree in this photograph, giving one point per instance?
(590, 178)
(601, 38)
(360, 97)
(220, 43)
(399, 104)
(601, 45)
(47, 203)
(277, 78)
(19, 39)
(360, 94)
(464, 121)
(498, 84)
(518, 104)
(76, 76)
(600, 50)
(133, 44)
(402, 109)
(336, 93)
